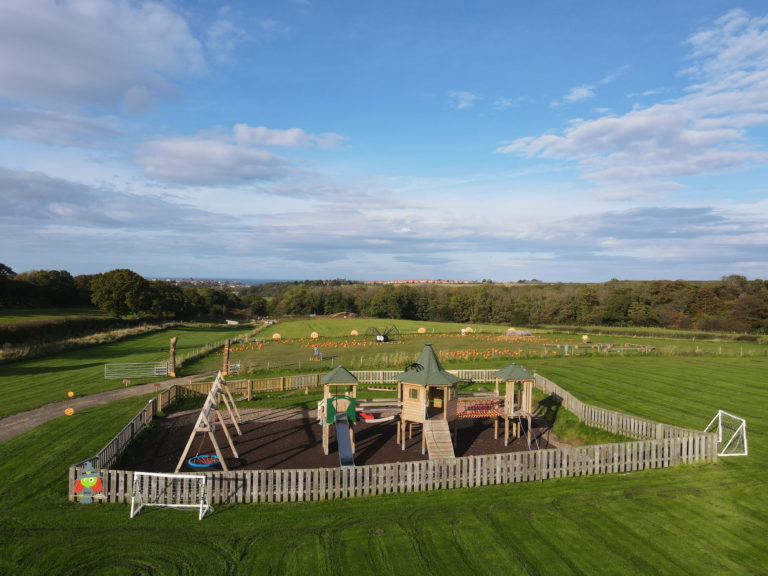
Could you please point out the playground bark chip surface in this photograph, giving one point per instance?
(289, 439)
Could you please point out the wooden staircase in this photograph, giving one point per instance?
(438, 439)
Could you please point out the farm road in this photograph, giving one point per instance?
(18, 423)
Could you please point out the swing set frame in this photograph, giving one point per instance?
(219, 390)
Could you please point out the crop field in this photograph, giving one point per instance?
(486, 346)
(706, 519)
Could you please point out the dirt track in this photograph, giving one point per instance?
(19, 423)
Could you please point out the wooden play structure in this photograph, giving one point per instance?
(206, 424)
(428, 395)
(517, 401)
(338, 407)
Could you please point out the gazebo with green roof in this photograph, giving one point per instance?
(517, 398)
(428, 395)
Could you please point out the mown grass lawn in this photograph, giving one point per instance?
(706, 519)
(12, 315)
(27, 384)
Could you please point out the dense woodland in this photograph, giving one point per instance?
(731, 304)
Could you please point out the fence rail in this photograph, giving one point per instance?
(469, 471)
(657, 445)
(115, 447)
(136, 370)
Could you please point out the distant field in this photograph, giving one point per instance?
(10, 316)
(295, 351)
(340, 327)
(698, 520)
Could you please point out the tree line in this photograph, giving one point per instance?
(731, 304)
(122, 293)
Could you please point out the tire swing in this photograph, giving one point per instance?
(206, 424)
(204, 460)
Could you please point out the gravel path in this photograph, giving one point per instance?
(22, 422)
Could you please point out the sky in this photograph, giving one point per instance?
(567, 141)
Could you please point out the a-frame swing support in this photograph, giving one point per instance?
(203, 421)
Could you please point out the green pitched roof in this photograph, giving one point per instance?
(513, 372)
(339, 375)
(429, 372)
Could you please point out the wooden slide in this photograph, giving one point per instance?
(438, 439)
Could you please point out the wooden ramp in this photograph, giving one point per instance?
(438, 439)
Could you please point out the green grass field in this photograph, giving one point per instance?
(27, 384)
(706, 519)
(12, 315)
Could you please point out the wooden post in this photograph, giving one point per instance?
(250, 387)
(172, 360)
(225, 366)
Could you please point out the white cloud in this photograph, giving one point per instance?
(702, 132)
(40, 201)
(580, 93)
(227, 160)
(223, 37)
(289, 138)
(93, 53)
(504, 103)
(461, 99)
(69, 129)
(200, 161)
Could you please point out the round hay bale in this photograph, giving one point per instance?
(469, 330)
(314, 335)
(354, 333)
(422, 330)
(276, 336)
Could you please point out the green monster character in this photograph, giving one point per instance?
(88, 484)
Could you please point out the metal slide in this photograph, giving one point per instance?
(346, 458)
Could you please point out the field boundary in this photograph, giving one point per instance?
(656, 445)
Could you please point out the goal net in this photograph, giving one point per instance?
(169, 490)
(731, 434)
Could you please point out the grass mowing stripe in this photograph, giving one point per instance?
(692, 519)
(29, 384)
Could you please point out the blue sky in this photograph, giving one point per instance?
(563, 141)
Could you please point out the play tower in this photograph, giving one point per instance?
(428, 395)
(517, 400)
(338, 408)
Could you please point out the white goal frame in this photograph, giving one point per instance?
(716, 426)
(153, 492)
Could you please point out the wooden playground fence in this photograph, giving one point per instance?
(658, 445)
(399, 477)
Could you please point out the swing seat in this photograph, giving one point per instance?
(204, 461)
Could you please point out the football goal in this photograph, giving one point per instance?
(731, 434)
(169, 490)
